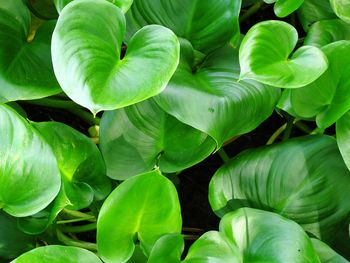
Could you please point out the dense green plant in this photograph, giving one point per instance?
(161, 85)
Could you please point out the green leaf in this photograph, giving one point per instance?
(44, 9)
(267, 237)
(262, 60)
(13, 242)
(342, 9)
(25, 68)
(58, 254)
(312, 11)
(136, 138)
(80, 162)
(326, 254)
(327, 31)
(124, 5)
(133, 212)
(283, 8)
(304, 179)
(168, 249)
(86, 48)
(207, 24)
(343, 137)
(27, 162)
(327, 98)
(207, 96)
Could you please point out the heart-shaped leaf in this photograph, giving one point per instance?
(13, 241)
(86, 48)
(136, 138)
(168, 249)
(209, 91)
(262, 60)
(124, 5)
(342, 9)
(142, 208)
(25, 68)
(326, 254)
(58, 254)
(327, 31)
(27, 162)
(80, 162)
(312, 11)
(304, 179)
(327, 98)
(283, 8)
(207, 24)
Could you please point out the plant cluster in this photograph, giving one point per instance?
(160, 85)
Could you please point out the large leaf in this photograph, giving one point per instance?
(262, 60)
(124, 5)
(13, 242)
(29, 176)
(327, 98)
(207, 24)
(58, 254)
(326, 254)
(142, 208)
(283, 8)
(312, 11)
(86, 48)
(327, 31)
(209, 91)
(136, 138)
(80, 162)
(342, 9)
(25, 67)
(304, 179)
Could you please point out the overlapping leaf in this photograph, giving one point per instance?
(58, 254)
(327, 254)
(25, 67)
(303, 179)
(124, 5)
(283, 8)
(207, 24)
(86, 49)
(262, 60)
(29, 176)
(342, 9)
(207, 95)
(136, 138)
(142, 208)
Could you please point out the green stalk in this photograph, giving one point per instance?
(251, 11)
(79, 229)
(223, 155)
(75, 214)
(288, 129)
(75, 242)
(61, 222)
(86, 116)
(277, 133)
(53, 103)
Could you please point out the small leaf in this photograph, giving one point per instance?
(207, 24)
(283, 8)
(27, 162)
(342, 9)
(86, 48)
(136, 138)
(58, 254)
(26, 70)
(133, 212)
(304, 179)
(168, 249)
(262, 60)
(209, 90)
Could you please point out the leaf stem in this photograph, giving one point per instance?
(75, 214)
(79, 229)
(277, 133)
(302, 126)
(53, 103)
(223, 155)
(251, 11)
(61, 222)
(76, 243)
(86, 116)
(288, 129)
(190, 237)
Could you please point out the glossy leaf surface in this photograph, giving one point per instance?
(342, 9)
(207, 24)
(210, 91)
(80, 162)
(283, 8)
(86, 48)
(304, 179)
(27, 162)
(133, 211)
(136, 138)
(327, 98)
(312, 11)
(124, 5)
(262, 60)
(327, 31)
(25, 67)
(327, 254)
(168, 249)
(58, 254)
